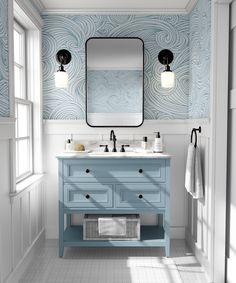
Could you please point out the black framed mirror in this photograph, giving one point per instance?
(114, 81)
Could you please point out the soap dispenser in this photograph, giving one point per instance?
(158, 145)
(68, 145)
(144, 143)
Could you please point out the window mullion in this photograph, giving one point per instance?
(23, 138)
(19, 65)
(23, 101)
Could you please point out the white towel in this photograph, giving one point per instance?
(189, 173)
(112, 226)
(193, 174)
(198, 184)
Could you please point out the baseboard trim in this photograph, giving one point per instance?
(26, 259)
(177, 233)
(51, 232)
(202, 258)
(231, 272)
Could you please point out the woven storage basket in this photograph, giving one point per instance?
(91, 230)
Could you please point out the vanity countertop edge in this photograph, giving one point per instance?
(68, 155)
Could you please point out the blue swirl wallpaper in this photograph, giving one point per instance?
(200, 52)
(158, 32)
(113, 91)
(4, 96)
(188, 36)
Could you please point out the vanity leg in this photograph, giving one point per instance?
(61, 230)
(68, 219)
(167, 248)
(61, 250)
(167, 232)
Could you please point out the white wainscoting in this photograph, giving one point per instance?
(27, 210)
(5, 210)
(199, 225)
(176, 138)
(21, 215)
(231, 205)
(22, 219)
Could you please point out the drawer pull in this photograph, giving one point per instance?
(140, 171)
(87, 170)
(87, 196)
(140, 196)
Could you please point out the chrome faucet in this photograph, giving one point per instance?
(113, 138)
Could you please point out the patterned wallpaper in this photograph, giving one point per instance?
(187, 36)
(158, 32)
(4, 97)
(200, 46)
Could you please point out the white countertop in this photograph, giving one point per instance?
(96, 154)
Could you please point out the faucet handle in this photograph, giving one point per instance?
(123, 147)
(106, 147)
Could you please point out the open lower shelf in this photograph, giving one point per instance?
(151, 236)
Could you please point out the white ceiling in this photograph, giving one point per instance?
(171, 6)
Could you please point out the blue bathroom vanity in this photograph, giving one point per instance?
(114, 183)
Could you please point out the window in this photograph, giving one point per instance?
(23, 107)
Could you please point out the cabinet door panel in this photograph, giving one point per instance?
(88, 195)
(145, 195)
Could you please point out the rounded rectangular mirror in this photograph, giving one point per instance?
(114, 82)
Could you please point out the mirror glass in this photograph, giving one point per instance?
(114, 82)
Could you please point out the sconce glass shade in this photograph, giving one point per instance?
(167, 79)
(61, 79)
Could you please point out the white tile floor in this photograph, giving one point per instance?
(113, 265)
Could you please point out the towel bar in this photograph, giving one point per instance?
(195, 130)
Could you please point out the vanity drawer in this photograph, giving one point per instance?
(115, 169)
(88, 195)
(140, 195)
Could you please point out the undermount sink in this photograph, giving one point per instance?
(102, 153)
(123, 154)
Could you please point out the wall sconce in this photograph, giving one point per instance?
(63, 57)
(165, 57)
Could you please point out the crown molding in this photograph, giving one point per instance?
(115, 11)
(25, 10)
(39, 5)
(227, 2)
(190, 6)
(119, 11)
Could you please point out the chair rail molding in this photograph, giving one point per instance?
(7, 128)
(66, 127)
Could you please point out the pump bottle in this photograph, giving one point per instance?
(158, 145)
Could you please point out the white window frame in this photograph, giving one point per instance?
(23, 64)
(29, 137)
(23, 100)
(29, 18)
